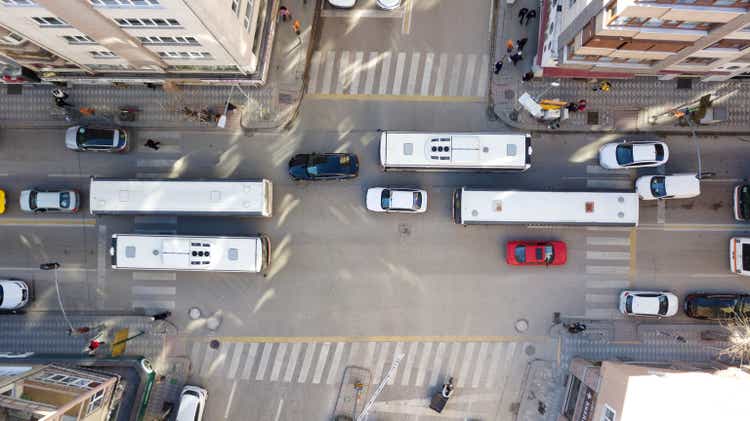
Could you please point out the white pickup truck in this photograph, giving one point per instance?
(739, 255)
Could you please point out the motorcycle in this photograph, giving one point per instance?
(576, 327)
(439, 399)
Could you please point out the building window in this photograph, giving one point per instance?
(95, 402)
(236, 7)
(738, 44)
(248, 15)
(79, 39)
(12, 39)
(608, 414)
(163, 40)
(102, 54)
(49, 21)
(124, 3)
(701, 61)
(185, 55)
(18, 3)
(147, 22)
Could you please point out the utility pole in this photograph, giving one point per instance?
(381, 386)
(54, 266)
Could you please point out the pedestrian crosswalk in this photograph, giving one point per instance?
(475, 365)
(605, 179)
(608, 265)
(418, 73)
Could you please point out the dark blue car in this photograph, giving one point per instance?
(325, 166)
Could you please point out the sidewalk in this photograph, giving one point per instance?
(628, 107)
(264, 108)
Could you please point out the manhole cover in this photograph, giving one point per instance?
(530, 350)
(522, 325)
(214, 344)
(194, 313)
(510, 94)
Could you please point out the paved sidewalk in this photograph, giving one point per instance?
(628, 107)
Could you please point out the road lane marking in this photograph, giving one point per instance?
(155, 163)
(343, 74)
(409, 363)
(385, 70)
(68, 175)
(429, 58)
(328, 72)
(306, 363)
(355, 14)
(380, 364)
(423, 363)
(230, 400)
(293, 356)
(481, 359)
(146, 290)
(278, 361)
(366, 339)
(442, 69)
(466, 364)
(406, 22)
(153, 304)
(372, 61)
(356, 69)
(333, 370)
(497, 354)
(454, 76)
(235, 364)
(607, 270)
(48, 222)
(264, 357)
(36, 268)
(411, 82)
(400, 60)
(470, 74)
(437, 363)
(608, 241)
(314, 70)
(483, 76)
(278, 410)
(607, 255)
(694, 227)
(632, 239)
(321, 363)
(249, 361)
(403, 98)
(154, 276)
(398, 350)
(591, 284)
(712, 275)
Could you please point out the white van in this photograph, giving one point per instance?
(192, 404)
(675, 186)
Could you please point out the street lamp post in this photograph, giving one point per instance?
(54, 266)
(513, 115)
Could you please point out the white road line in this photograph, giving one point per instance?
(328, 72)
(370, 354)
(607, 270)
(154, 276)
(398, 350)
(292, 364)
(409, 363)
(249, 361)
(343, 73)
(62, 175)
(453, 360)
(208, 358)
(467, 358)
(355, 70)
(406, 22)
(481, 359)
(143, 290)
(618, 284)
(437, 363)
(377, 373)
(608, 241)
(278, 410)
(102, 242)
(400, 60)
(155, 163)
(314, 70)
(353, 353)
(307, 362)
(4, 174)
(333, 370)
(220, 362)
(601, 298)
(153, 304)
(264, 360)
(423, 363)
(360, 13)
(235, 364)
(483, 75)
(505, 369)
(597, 170)
(440, 80)
(230, 400)
(712, 275)
(497, 353)
(661, 212)
(609, 183)
(372, 61)
(321, 364)
(470, 74)
(385, 71)
(455, 73)
(429, 58)
(411, 82)
(603, 313)
(195, 354)
(608, 255)
(278, 360)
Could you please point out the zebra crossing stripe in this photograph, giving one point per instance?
(409, 363)
(277, 361)
(343, 72)
(470, 74)
(439, 354)
(379, 365)
(208, 358)
(264, 361)
(468, 354)
(235, 364)
(314, 69)
(398, 350)
(429, 58)
(608, 241)
(455, 348)
(306, 363)
(293, 355)
(510, 352)
(442, 68)
(483, 75)
(423, 363)
(333, 371)
(356, 69)
(372, 61)
(400, 60)
(497, 353)
(353, 353)
(195, 354)
(249, 361)
(385, 71)
(328, 73)
(411, 82)
(370, 355)
(322, 358)
(455, 72)
(481, 357)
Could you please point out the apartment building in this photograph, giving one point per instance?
(709, 39)
(146, 40)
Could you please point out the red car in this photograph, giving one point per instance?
(522, 253)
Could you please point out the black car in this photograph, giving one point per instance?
(717, 306)
(324, 166)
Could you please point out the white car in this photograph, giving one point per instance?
(344, 4)
(739, 255)
(14, 294)
(386, 199)
(675, 186)
(49, 201)
(388, 4)
(648, 303)
(633, 154)
(192, 404)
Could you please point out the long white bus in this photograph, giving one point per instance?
(410, 151)
(181, 197)
(482, 206)
(190, 252)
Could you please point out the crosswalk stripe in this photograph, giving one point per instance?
(385, 71)
(370, 354)
(609, 183)
(382, 355)
(264, 357)
(470, 74)
(372, 61)
(661, 212)
(612, 284)
(154, 276)
(598, 170)
(603, 313)
(423, 362)
(195, 354)
(343, 72)
(398, 350)
(153, 163)
(411, 82)
(328, 72)
(607, 270)
(307, 362)
(208, 359)
(504, 370)
(601, 298)
(429, 58)
(483, 75)
(278, 361)
(356, 69)
(314, 69)
(608, 255)
(153, 304)
(608, 241)
(333, 371)
(321, 363)
(293, 356)
(455, 72)
(144, 290)
(497, 353)
(353, 353)
(442, 69)
(409, 363)
(235, 364)
(466, 363)
(455, 348)
(437, 362)
(481, 359)
(249, 361)
(400, 60)
(221, 360)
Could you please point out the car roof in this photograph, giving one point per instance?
(682, 183)
(401, 199)
(48, 199)
(644, 152)
(646, 305)
(188, 407)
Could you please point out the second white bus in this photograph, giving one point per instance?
(190, 253)
(412, 151)
(481, 206)
(181, 197)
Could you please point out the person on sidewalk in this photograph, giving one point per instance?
(522, 14)
(509, 46)
(60, 97)
(150, 143)
(161, 316)
(499, 65)
(571, 107)
(529, 16)
(94, 345)
(296, 27)
(284, 13)
(527, 76)
(605, 86)
(520, 43)
(515, 58)
(582, 105)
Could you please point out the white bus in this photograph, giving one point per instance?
(181, 197)
(481, 206)
(409, 151)
(194, 253)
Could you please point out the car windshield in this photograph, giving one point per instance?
(624, 154)
(95, 138)
(659, 152)
(32, 200)
(521, 254)
(663, 305)
(629, 303)
(417, 200)
(721, 308)
(385, 199)
(658, 186)
(544, 254)
(744, 202)
(319, 165)
(65, 200)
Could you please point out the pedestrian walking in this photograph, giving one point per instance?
(515, 58)
(284, 13)
(161, 316)
(509, 46)
(150, 143)
(94, 344)
(499, 66)
(522, 14)
(79, 331)
(60, 96)
(605, 86)
(572, 107)
(527, 76)
(296, 27)
(582, 105)
(520, 43)
(529, 16)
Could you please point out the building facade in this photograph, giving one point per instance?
(130, 39)
(625, 38)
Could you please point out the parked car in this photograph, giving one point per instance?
(527, 253)
(739, 255)
(344, 4)
(14, 294)
(2, 202)
(648, 303)
(386, 199)
(99, 139)
(388, 4)
(192, 404)
(742, 202)
(325, 166)
(633, 154)
(50, 201)
(675, 186)
(720, 306)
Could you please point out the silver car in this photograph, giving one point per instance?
(50, 201)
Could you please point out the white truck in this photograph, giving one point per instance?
(739, 255)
